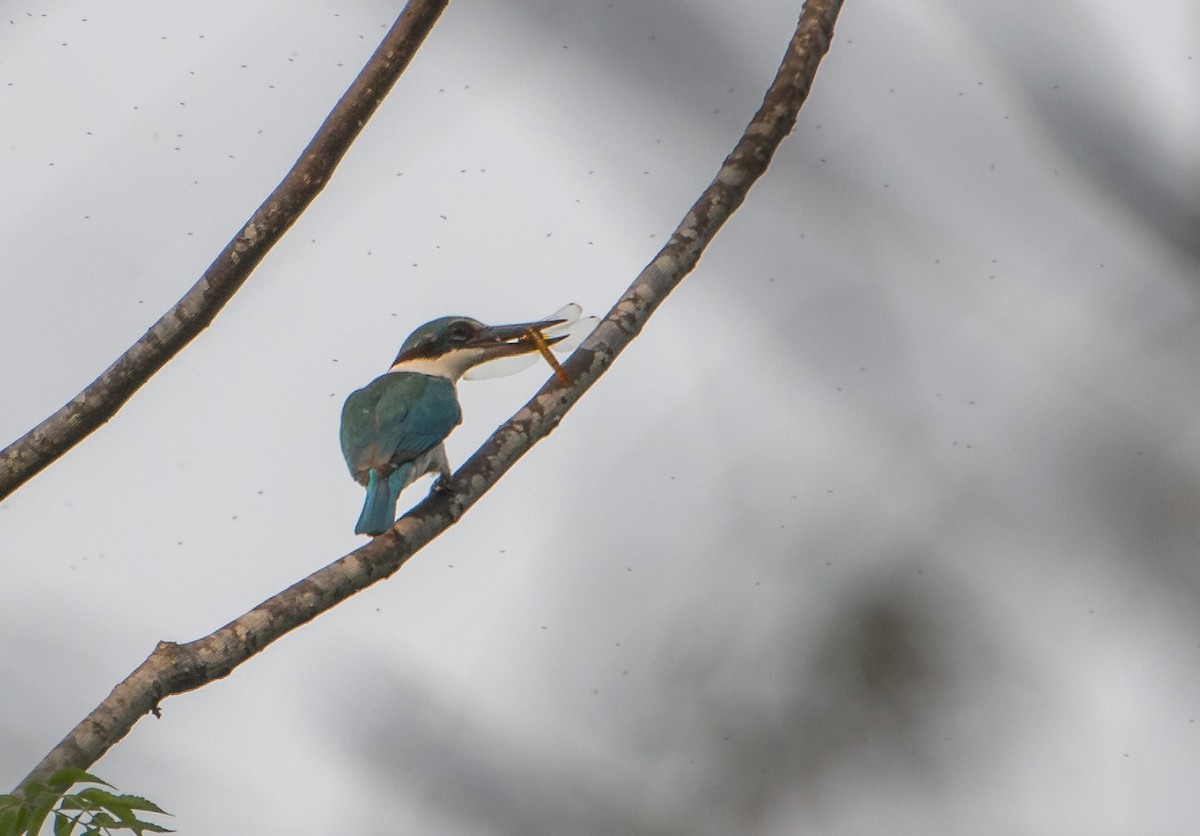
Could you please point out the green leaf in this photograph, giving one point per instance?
(38, 812)
(63, 824)
(92, 810)
(123, 813)
(99, 798)
(35, 791)
(102, 820)
(12, 821)
(69, 775)
(136, 802)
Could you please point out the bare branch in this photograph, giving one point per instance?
(95, 405)
(175, 668)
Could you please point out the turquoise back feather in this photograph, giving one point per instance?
(387, 426)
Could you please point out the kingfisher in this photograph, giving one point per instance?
(393, 428)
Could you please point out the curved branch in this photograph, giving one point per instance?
(175, 668)
(41, 446)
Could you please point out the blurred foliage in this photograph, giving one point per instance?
(90, 812)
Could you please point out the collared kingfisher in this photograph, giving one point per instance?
(393, 428)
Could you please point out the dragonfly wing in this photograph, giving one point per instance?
(567, 313)
(574, 329)
(572, 334)
(502, 367)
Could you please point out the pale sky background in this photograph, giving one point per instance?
(889, 522)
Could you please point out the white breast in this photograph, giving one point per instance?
(450, 365)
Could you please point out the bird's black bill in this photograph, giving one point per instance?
(498, 334)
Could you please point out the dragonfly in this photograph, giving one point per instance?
(572, 329)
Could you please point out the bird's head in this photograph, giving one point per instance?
(448, 346)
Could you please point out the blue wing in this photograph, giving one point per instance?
(394, 419)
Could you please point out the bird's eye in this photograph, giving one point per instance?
(460, 332)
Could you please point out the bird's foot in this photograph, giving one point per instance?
(442, 486)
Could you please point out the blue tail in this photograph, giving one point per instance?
(379, 509)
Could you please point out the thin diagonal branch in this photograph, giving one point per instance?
(175, 668)
(41, 446)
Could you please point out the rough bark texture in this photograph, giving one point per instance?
(175, 668)
(38, 448)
